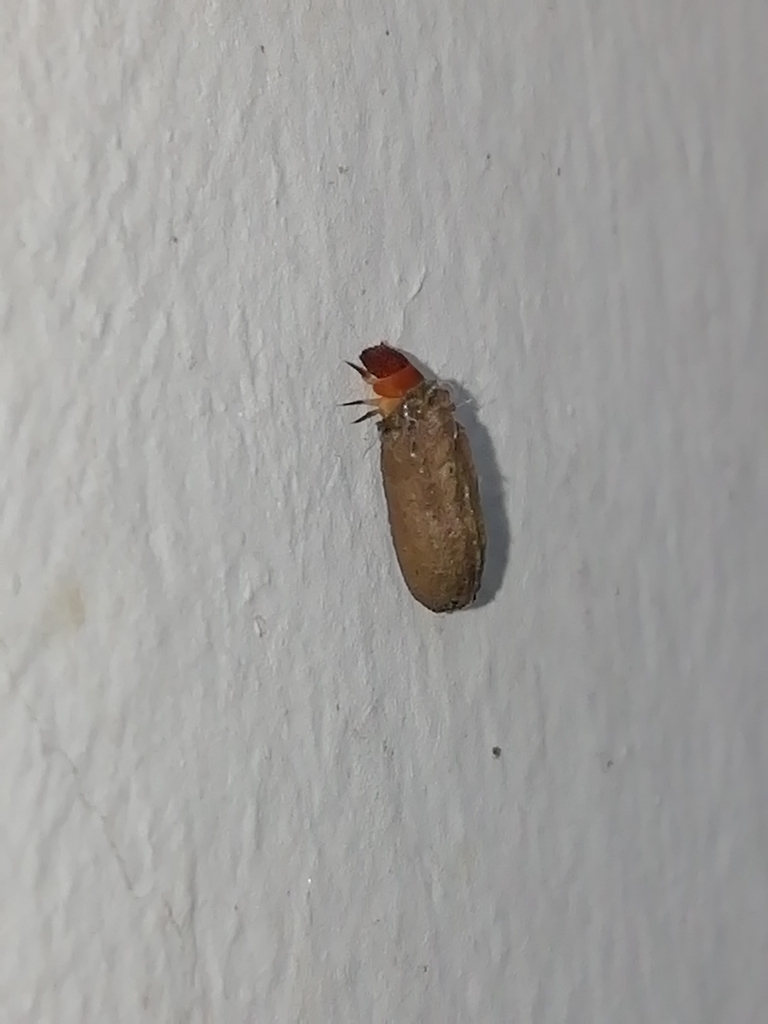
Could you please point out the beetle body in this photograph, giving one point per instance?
(430, 483)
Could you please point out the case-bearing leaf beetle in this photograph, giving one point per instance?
(430, 482)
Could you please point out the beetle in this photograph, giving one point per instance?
(429, 478)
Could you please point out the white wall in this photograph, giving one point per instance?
(243, 776)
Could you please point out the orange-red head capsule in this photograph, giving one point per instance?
(429, 481)
(391, 375)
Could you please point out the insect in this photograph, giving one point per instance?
(429, 478)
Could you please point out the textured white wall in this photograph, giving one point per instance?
(243, 777)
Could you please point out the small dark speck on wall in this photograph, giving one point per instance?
(496, 752)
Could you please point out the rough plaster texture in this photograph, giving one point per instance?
(243, 777)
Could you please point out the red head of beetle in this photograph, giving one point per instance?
(391, 375)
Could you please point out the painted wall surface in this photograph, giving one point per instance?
(243, 776)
